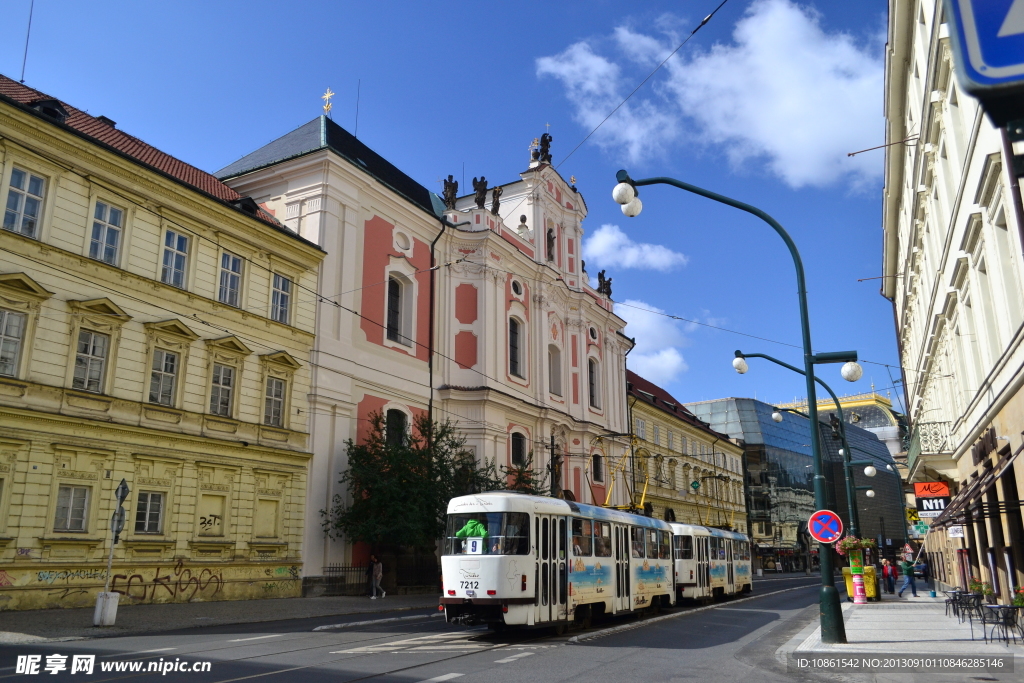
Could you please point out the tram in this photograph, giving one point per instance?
(710, 563)
(511, 559)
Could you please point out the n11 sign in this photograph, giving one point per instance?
(931, 507)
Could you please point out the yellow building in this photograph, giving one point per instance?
(155, 326)
(673, 451)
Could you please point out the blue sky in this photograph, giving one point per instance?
(762, 105)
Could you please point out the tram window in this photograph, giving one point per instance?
(721, 548)
(637, 541)
(602, 539)
(652, 544)
(503, 533)
(544, 539)
(561, 584)
(664, 545)
(544, 584)
(684, 547)
(581, 537)
(561, 539)
(713, 548)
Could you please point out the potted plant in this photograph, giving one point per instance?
(982, 587)
(848, 543)
(1018, 597)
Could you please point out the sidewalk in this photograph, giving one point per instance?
(35, 625)
(907, 626)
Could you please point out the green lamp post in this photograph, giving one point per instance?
(625, 193)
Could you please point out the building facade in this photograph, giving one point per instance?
(952, 254)
(478, 312)
(688, 472)
(152, 329)
(870, 411)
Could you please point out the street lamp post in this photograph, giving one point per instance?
(832, 628)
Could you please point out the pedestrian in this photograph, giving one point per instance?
(369, 574)
(922, 570)
(378, 572)
(889, 574)
(907, 567)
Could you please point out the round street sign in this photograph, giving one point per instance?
(825, 526)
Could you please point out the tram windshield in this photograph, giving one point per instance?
(488, 533)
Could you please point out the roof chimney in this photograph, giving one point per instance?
(109, 122)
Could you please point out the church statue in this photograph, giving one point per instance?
(480, 187)
(604, 285)
(496, 199)
(583, 265)
(451, 191)
(551, 244)
(545, 148)
(535, 149)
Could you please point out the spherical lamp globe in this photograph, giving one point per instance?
(852, 371)
(623, 193)
(870, 493)
(634, 208)
(740, 365)
(870, 471)
(777, 416)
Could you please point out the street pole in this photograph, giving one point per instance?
(833, 630)
(555, 478)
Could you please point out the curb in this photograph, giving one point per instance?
(351, 624)
(647, 622)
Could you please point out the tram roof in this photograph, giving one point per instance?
(510, 501)
(706, 531)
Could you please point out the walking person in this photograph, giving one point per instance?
(369, 574)
(922, 569)
(907, 567)
(889, 574)
(378, 573)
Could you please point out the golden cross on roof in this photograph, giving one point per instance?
(326, 97)
(572, 179)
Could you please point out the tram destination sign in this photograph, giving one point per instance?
(824, 526)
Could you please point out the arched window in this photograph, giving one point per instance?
(597, 467)
(518, 449)
(554, 370)
(395, 317)
(514, 348)
(396, 428)
(594, 383)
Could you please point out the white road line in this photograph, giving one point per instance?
(647, 622)
(242, 640)
(331, 627)
(438, 679)
(509, 660)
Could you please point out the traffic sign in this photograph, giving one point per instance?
(988, 47)
(824, 526)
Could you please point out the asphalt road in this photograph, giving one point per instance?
(732, 641)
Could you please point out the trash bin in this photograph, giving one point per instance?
(870, 582)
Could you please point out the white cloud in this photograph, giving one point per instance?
(608, 246)
(592, 84)
(783, 92)
(656, 356)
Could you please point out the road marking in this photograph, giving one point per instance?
(142, 652)
(438, 679)
(439, 642)
(242, 640)
(646, 622)
(351, 624)
(509, 660)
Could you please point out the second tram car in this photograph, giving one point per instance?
(710, 563)
(511, 559)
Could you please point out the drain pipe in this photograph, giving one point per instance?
(430, 335)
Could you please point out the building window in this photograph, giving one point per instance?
(657, 434)
(221, 392)
(593, 383)
(641, 429)
(671, 440)
(12, 332)
(394, 319)
(280, 304)
(514, 350)
(149, 513)
(230, 278)
(597, 467)
(518, 449)
(273, 411)
(107, 224)
(24, 202)
(90, 361)
(72, 503)
(396, 427)
(555, 370)
(175, 261)
(163, 377)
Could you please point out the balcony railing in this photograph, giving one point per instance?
(926, 439)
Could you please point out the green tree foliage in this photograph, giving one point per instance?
(399, 491)
(523, 478)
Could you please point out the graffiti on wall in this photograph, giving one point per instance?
(180, 584)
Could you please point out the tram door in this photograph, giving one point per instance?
(703, 567)
(621, 601)
(552, 572)
(730, 575)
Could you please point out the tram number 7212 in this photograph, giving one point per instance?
(469, 584)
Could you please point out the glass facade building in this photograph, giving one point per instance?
(779, 479)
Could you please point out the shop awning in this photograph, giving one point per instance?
(974, 491)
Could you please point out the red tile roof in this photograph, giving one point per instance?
(103, 132)
(651, 393)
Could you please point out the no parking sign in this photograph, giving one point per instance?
(824, 526)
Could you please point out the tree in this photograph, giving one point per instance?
(523, 479)
(399, 491)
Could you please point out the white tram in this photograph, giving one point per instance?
(710, 563)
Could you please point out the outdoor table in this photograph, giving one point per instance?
(1006, 619)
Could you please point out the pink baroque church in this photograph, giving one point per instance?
(506, 336)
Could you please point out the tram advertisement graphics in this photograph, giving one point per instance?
(650, 579)
(590, 580)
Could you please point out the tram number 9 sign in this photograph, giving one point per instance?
(474, 546)
(824, 526)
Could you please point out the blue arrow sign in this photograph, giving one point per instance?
(989, 39)
(825, 526)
